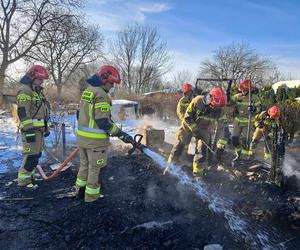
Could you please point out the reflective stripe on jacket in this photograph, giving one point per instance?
(33, 108)
(182, 105)
(241, 103)
(95, 104)
(200, 117)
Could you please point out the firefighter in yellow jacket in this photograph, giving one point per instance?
(181, 108)
(94, 129)
(203, 116)
(33, 112)
(263, 125)
(246, 105)
(183, 103)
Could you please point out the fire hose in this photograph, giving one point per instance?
(57, 171)
(136, 143)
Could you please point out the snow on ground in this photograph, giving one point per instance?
(10, 149)
(124, 102)
(70, 121)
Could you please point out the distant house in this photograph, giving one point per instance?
(289, 84)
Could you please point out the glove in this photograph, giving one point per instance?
(252, 109)
(235, 111)
(221, 144)
(47, 130)
(219, 154)
(126, 137)
(47, 133)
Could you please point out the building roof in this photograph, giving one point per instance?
(289, 84)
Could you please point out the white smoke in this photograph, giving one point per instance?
(291, 167)
(134, 126)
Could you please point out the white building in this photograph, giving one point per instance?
(289, 84)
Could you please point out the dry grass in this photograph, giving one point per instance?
(70, 94)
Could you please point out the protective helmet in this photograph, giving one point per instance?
(217, 97)
(274, 112)
(109, 73)
(187, 87)
(37, 71)
(244, 86)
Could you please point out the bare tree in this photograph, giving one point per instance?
(65, 46)
(85, 71)
(21, 23)
(142, 57)
(181, 77)
(272, 76)
(125, 50)
(237, 62)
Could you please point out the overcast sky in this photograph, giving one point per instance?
(194, 29)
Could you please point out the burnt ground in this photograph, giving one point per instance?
(141, 209)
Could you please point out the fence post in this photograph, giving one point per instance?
(63, 135)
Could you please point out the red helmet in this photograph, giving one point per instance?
(109, 73)
(245, 85)
(37, 71)
(274, 112)
(217, 97)
(187, 87)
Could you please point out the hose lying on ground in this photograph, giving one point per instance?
(57, 171)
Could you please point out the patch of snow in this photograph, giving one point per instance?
(124, 102)
(213, 247)
(10, 148)
(10, 154)
(153, 225)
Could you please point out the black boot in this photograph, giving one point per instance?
(79, 191)
(31, 188)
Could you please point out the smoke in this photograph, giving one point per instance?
(291, 167)
(157, 123)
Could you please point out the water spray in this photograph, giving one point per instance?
(256, 236)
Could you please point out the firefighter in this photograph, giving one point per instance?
(246, 105)
(182, 105)
(203, 116)
(263, 125)
(33, 112)
(185, 100)
(94, 129)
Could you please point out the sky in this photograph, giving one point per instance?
(194, 29)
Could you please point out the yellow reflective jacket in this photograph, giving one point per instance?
(33, 108)
(264, 121)
(241, 104)
(182, 105)
(199, 117)
(95, 104)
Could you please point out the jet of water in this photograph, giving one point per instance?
(255, 236)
